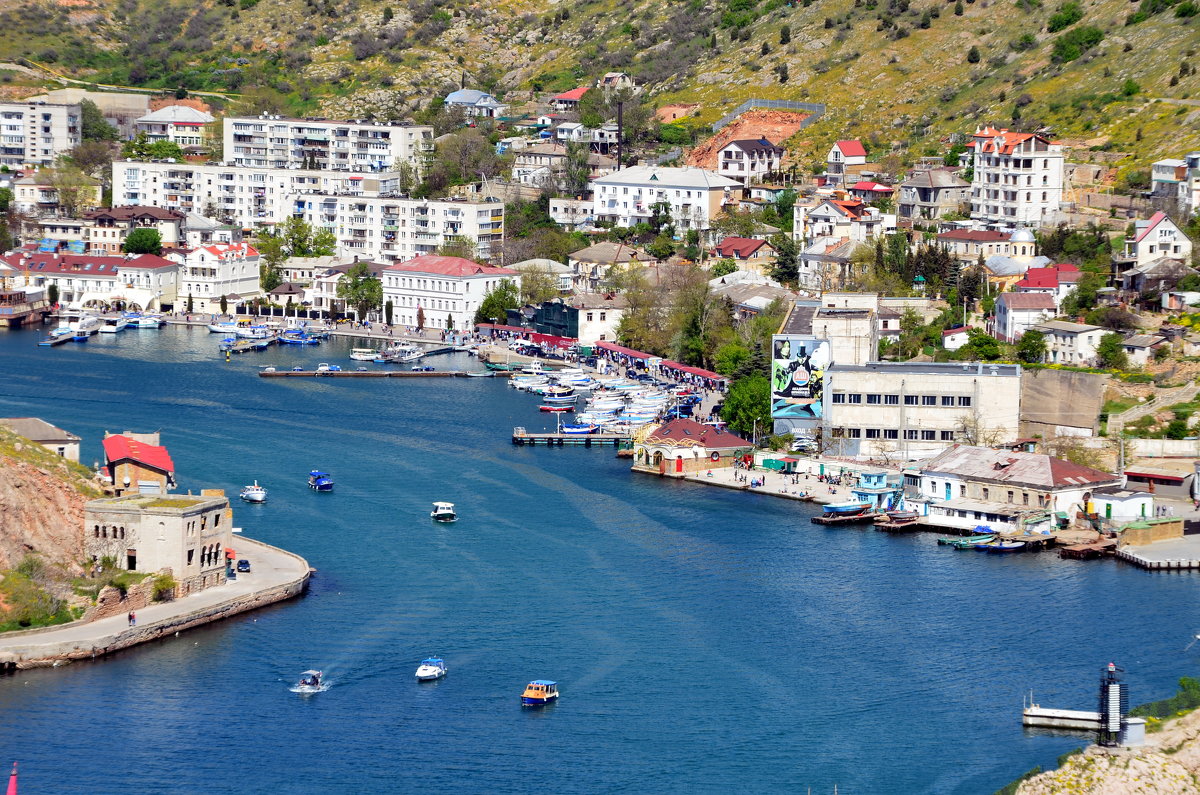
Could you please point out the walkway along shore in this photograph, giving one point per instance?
(276, 575)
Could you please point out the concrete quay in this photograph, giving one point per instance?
(275, 575)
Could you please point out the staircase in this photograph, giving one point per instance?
(1162, 399)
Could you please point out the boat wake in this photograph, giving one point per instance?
(308, 689)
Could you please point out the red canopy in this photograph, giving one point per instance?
(615, 348)
(700, 371)
(230, 554)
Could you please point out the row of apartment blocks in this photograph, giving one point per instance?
(36, 133)
(366, 212)
(279, 142)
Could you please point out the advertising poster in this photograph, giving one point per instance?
(797, 380)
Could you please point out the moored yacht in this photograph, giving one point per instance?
(254, 493)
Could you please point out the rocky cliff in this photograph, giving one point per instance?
(41, 504)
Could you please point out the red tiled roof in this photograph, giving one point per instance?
(741, 247)
(851, 148)
(1038, 278)
(448, 266)
(230, 250)
(1002, 141)
(1027, 301)
(82, 264)
(872, 186)
(119, 447)
(977, 235)
(959, 330)
(575, 94)
(692, 432)
(1154, 221)
(853, 208)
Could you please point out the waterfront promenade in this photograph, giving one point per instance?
(275, 575)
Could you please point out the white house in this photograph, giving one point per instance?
(1139, 348)
(693, 196)
(86, 280)
(849, 219)
(1071, 343)
(1157, 238)
(447, 290)
(1056, 281)
(178, 124)
(749, 160)
(222, 269)
(1016, 313)
(955, 338)
(1179, 180)
(1018, 179)
(841, 155)
(476, 103)
(568, 100)
(571, 131)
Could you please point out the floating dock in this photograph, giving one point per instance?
(1088, 551)
(523, 437)
(888, 526)
(1060, 718)
(862, 518)
(366, 374)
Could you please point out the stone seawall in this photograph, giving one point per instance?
(51, 646)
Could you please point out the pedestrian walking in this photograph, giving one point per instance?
(130, 618)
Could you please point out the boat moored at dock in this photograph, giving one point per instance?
(846, 508)
(111, 325)
(539, 692)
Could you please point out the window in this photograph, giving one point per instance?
(1010, 496)
(928, 436)
(838, 433)
(985, 493)
(589, 317)
(928, 400)
(947, 436)
(962, 489)
(910, 434)
(872, 433)
(854, 433)
(873, 400)
(1025, 497)
(964, 401)
(839, 397)
(855, 398)
(891, 400)
(891, 433)
(910, 400)
(947, 400)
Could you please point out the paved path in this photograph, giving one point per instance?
(270, 568)
(1162, 399)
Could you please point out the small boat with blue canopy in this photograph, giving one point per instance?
(539, 692)
(320, 481)
(431, 668)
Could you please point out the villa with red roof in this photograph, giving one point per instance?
(568, 100)
(1055, 281)
(868, 191)
(1018, 179)
(684, 447)
(850, 219)
(219, 269)
(750, 254)
(1155, 239)
(841, 155)
(446, 290)
(135, 463)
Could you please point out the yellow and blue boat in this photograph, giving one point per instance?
(539, 692)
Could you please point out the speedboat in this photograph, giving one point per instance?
(484, 374)
(579, 428)
(443, 512)
(253, 332)
(114, 324)
(148, 321)
(320, 481)
(310, 682)
(846, 508)
(363, 354)
(553, 407)
(539, 692)
(323, 367)
(255, 493)
(431, 668)
(84, 326)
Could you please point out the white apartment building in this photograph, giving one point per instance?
(693, 196)
(178, 124)
(36, 133)
(912, 410)
(281, 142)
(448, 290)
(1018, 179)
(1071, 343)
(850, 219)
(209, 272)
(390, 229)
(749, 160)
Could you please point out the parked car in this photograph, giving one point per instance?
(243, 566)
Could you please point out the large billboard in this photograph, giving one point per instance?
(797, 382)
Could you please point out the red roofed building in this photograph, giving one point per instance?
(684, 447)
(135, 282)
(1016, 313)
(968, 245)
(749, 254)
(446, 290)
(842, 155)
(850, 219)
(868, 191)
(1155, 239)
(1055, 281)
(136, 463)
(568, 100)
(1018, 179)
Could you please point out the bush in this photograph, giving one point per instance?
(1066, 16)
(1130, 88)
(973, 55)
(1075, 43)
(1026, 41)
(1188, 9)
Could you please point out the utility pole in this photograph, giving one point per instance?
(620, 131)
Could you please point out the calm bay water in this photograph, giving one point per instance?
(703, 639)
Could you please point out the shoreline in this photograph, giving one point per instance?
(51, 647)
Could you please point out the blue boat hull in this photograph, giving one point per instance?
(321, 486)
(526, 701)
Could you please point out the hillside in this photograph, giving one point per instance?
(902, 74)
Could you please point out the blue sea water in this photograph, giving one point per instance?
(704, 640)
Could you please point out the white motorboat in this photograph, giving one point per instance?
(443, 512)
(114, 324)
(147, 321)
(221, 328)
(310, 682)
(84, 325)
(254, 493)
(364, 354)
(253, 332)
(431, 668)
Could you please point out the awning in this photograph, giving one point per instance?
(230, 554)
(1154, 475)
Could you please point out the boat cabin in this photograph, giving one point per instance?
(539, 691)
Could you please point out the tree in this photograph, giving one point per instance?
(1111, 352)
(420, 318)
(143, 240)
(93, 158)
(498, 301)
(457, 246)
(577, 172)
(271, 256)
(538, 284)
(141, 148)
(359, 289)
(980, 345)
(1031, 348)
(189, 304)
(52, 294)
(449, 322)
(973, 55)
(387, 313)
(75, 189)
(787, 265)
(785, 34)
(224, 305)
(747, 407)
(92, 124)
(723, 267)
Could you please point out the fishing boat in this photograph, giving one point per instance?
(254, 493)
(431, 668)
(846, 508)
(484, 374)
(539, 692)
(903, 516)
(364, 354)
(297, 338)
(579, 429)
(555, 407)
(227, 327)
(400, 353)
(501, 367)
(114, 324)
(443, 512)
(1001, 547)
(310, 682)
(953, 541)
(320, 481)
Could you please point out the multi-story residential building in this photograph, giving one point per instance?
(281, 142)
(38, 196)
(1178, 180)
(105, 230)
(1071, 343)
(572, 214)
(1016, 313)
(209, 272)
(1157, 238)
(912, 410)
(475, 103)
(36, 133)
(930, 194)
(137, 282)
(1018, 179)
(587, 318)
(447, 290)
(849, 219)
(692, 196)
(968, 245)
(323, 294)
(749, 161)
(545, 164)
(841, 155)
(1055, 281)
(390, 229)
(366, 212)
(178, 124)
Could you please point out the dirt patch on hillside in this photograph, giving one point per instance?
(669, 113)
(774, 125)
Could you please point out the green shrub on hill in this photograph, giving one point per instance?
(1075, 43)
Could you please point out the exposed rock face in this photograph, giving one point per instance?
(41, 510)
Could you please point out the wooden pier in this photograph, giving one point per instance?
(523, 437)
(1088, 551)
(862, 518)
(889, 526)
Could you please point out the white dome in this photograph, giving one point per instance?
(1022, 235)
